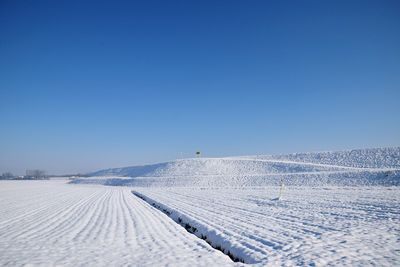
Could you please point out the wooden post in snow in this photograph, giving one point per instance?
(281, 190)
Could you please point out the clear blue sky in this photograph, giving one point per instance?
(92, 84)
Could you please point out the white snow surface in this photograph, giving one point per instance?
(334, 226)
(338, 209)
(379, 166)
(52, 223)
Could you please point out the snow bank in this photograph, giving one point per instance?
(310, 226)
(236, 251)
(380, 166)
(361, 158)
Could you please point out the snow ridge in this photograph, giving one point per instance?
(236, 252)
(360, 158)
(379, 166)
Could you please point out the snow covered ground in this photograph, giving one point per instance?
(53, 223)
(337, 226)
(338, 209)
(379, 166)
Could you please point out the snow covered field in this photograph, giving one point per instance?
(337, 226)
(338, 209)
(54, 223)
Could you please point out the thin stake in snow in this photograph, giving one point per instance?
(281, 190)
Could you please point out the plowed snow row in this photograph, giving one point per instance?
(353, 226)
(53, 223)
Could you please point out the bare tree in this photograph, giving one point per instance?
(35, 174)
(7, 175)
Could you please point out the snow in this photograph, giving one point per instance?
(338, 209)
(380, 166)
(54, 223)
(338, 226)
(361, 158)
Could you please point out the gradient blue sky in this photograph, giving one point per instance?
(92, 84)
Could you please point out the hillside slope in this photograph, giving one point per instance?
(379, 166)
(361, 158)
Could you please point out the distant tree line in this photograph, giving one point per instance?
(35, 174)
(7, 176)
(30, 175)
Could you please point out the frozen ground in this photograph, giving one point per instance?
(338, 209)
(379, 166)
(337, 226)
(54, 223)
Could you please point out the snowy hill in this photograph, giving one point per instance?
(379, 166)
(361, 158)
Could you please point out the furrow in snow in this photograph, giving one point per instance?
(334, 222)
(73, 225)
